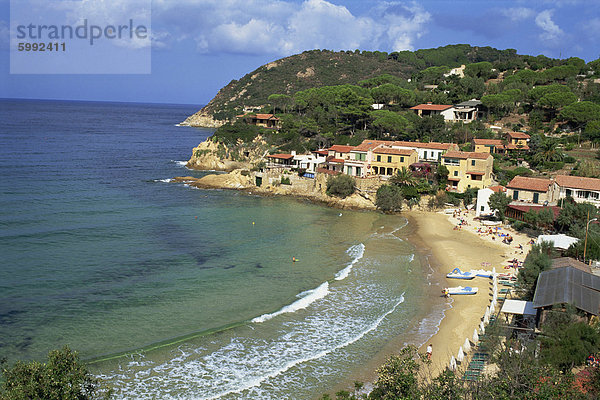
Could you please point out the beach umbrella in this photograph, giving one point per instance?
(482, 328)
(461, 355)
(495, 297)
(487, 312)
(475, 336)
(467, 346)
(492, 308)
(452, 364)
(486, 318)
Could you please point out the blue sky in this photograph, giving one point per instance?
(198, 46)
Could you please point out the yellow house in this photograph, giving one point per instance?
(488, 146)
(387, 161)
(517, 140)
(468, 170)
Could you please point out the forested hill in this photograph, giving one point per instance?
(316, 68)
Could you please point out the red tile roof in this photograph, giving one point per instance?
(259, 116)
(515, 147)
(281, 156)
(578, 182)
(475, 173)
(340, 148)
(399, 152)
(466, 155)
(527, 183)
(518, 135)
(498, 189)
(487, 142)
(524, 208)
(430, 145)
(321, 152)
(431, 107)
(367, 145)
(327, 171)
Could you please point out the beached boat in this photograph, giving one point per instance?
(458, 274)
(482, 273)
(460, 290)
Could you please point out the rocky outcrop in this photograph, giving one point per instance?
(313, 190)
(213, 156)
(202, 120)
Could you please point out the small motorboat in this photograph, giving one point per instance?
(458, 274)
(460, 290)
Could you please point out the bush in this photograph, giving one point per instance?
(519, 225)
(569, 160)
(389, 198)
(340, 186)
(285, 180)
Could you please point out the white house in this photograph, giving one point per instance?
(429, 109)
(482, 206)
(582, 190)
(428, 152)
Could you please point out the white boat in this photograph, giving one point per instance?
(460, 290)
(458, 274)
(482, 273)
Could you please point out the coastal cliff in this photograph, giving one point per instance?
(213, 156)
(202, 119)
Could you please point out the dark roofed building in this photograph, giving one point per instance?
(567, 285)
(571, 262)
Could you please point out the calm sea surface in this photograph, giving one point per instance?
(182, 293)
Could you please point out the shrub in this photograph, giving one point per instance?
(340, 186)
(389, 198)
(285, 180)
(519, 225)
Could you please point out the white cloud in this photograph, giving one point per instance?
(551, 31)
(593, 26)
(518, 14)
(283, 27)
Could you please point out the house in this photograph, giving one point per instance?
(263, 120)
(518, 211)
(280, 160)
(579, 188)
(458, 71)
(567, 285)
(360, 157)
(310, 162)
(468, 169)
(530, 190)
(468, 111)
(428, 152)
(488, 146)
(517, 141)
(482, 206)
(387, 161)
(336, 156)
(429, 109)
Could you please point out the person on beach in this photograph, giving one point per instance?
(429, 351)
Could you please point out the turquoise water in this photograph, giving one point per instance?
(175, 292)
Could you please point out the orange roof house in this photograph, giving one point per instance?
(530, 190)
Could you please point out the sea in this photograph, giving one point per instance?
(173, 292)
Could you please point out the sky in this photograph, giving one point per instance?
(195, 47)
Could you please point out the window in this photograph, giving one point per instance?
(569, 192)
(451, 161)
(516, 195)
(482, 208)
(378, 158)
(389, 159)
(425, 154)
(360, 156)
(536, 198)
(349, 170)
(473, 163)
(455, 173)
(358, 171)
(401, 159)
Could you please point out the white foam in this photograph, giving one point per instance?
(290, 364)
(306, 298)
(357, 251)
(163, 180)
(180, 163)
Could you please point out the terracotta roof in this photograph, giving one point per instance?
(527, 183)
(518, 135)
(259, 116)
(537, 208)
(281, 156)
(498, 189)
(327, 171)
(430, 145)
(321, 152)
(578, 182)
(488, 142)
(570, 262)
(399, 152)
(335, 160)
(475, 173)
(452, 178)
(431, 107)
(367, 145)
(340, 148)
(466, 154)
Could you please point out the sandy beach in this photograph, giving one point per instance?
(462, 247)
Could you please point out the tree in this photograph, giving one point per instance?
(580, 113)
(498, 202)
(63, 377)
(536, 262)
(389, 198)
(397, 378)
(340, 186)
(403, 177)
(388, 122)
